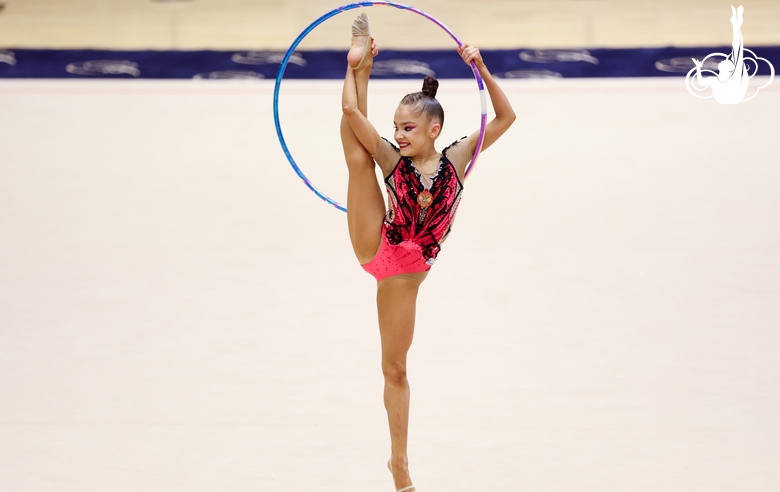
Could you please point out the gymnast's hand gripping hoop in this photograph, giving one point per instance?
(319, 21)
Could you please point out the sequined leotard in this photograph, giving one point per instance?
(418, 219)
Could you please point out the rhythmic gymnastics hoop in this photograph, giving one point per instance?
(322, 19)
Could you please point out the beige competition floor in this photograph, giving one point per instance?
(179, 313)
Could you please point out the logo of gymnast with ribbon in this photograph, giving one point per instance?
(730, 84)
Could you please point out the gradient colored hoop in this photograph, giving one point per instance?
(319, 21)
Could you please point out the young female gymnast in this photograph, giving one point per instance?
(398, 246)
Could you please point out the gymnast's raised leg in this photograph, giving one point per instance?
(365, 205)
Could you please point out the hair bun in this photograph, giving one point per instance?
(430, 86)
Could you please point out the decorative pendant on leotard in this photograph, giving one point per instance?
(424, 199)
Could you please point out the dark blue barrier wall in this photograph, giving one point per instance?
(330, 64)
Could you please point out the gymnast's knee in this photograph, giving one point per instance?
(394, 373)
(359, 160)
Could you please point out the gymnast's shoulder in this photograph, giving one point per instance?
(387, 156)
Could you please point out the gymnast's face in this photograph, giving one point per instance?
(415, 133)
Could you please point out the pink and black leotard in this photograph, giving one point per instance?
(418, 219)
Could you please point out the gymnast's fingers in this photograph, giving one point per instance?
(476, 56)
(470, 54)
(466, 52)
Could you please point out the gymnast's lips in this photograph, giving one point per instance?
(403, 145)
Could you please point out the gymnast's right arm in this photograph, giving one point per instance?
(363, 129)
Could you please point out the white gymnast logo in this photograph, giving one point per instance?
(267, 58)
(530, 74)
(229, 75)
(552, 56)
(7, 57)
(109, 67)
(730, 84)
(401, 67)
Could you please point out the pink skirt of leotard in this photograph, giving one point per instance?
(405, 257)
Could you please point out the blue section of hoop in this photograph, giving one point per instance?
(306, 32)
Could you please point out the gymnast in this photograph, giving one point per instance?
(398, 245)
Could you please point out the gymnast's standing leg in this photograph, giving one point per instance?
(397, 295)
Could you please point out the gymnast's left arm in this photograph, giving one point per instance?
(505, 115)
